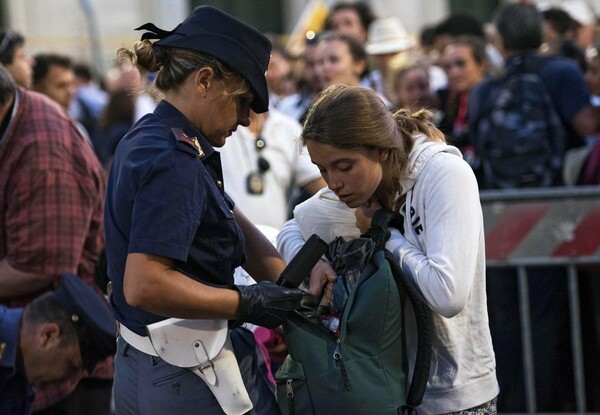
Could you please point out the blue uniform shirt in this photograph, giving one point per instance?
(165, 197)
(15, 394)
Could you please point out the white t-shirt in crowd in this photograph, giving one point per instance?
(288, 167)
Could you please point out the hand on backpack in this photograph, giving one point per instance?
(267, 304)
(321, 274)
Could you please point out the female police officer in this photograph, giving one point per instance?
(173, 236)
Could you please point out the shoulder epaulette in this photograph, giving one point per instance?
(190, 141)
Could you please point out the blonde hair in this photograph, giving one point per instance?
(174, 65)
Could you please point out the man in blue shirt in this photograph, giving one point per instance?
(520, 30)
(58, 338)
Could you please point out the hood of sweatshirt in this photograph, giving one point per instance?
(423, 150)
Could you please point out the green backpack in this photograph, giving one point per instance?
(363, 369)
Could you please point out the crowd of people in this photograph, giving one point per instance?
(197, 203)
(454, 72)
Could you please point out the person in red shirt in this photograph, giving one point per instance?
(51, 203)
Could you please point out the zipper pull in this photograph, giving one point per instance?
(337, 353)
(337, 356)
(289, 388)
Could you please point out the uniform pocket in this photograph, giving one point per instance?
(167, 389)
(178, 374)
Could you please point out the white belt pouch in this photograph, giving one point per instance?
(204, 347)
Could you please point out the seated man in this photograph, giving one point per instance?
(58, 338)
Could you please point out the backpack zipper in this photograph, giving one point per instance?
(337, 353)
(290, 395)
(337, 356)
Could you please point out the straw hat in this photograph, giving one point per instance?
(388, 36)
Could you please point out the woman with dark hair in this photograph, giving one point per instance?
(341, 59)
(352, 19)
(371, 159)
(466, 65)
(174, 237)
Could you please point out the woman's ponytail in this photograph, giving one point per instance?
(418, 123)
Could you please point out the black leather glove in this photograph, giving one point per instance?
(267, 304)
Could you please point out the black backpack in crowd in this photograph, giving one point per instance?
(516, 129)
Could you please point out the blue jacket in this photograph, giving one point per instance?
(15, 394)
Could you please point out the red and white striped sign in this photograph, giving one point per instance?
(561, 228)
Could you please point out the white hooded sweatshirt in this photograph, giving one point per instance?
(443, 253)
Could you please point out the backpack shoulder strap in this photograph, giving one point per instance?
(480, 97)
(418, 383)
(379, 233)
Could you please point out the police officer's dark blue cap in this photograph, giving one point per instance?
(212, 31)
(96, 328)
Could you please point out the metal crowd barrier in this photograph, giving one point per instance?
(542, 227)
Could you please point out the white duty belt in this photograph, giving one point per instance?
(202, 346)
